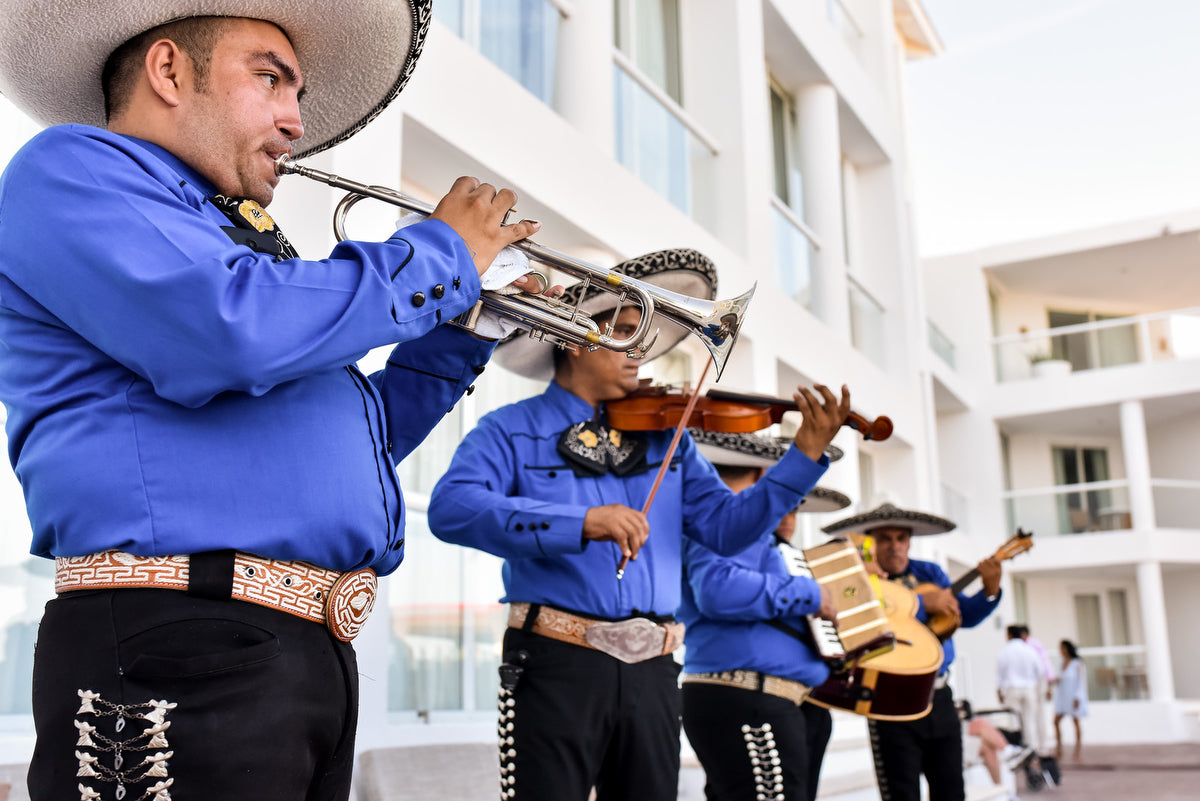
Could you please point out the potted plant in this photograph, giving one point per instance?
(1045, 363)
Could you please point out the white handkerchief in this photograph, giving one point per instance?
(510, 265)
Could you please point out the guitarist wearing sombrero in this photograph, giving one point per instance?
(932, 745)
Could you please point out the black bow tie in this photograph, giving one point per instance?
(593, 449)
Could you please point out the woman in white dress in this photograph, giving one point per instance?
(1071, 697)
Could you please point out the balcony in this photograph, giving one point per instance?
(1140, 339)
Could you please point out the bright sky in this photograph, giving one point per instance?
(1046, 116)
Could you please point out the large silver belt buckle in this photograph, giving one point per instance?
(633, 640)
(351, 599)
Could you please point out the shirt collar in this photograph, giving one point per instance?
(189, 174)
(573, 407)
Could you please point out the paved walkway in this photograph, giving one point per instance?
(1125, 773)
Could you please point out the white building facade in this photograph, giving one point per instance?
(1070, 365)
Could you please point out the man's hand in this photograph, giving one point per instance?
(628, 528)
(989, 572)
(476, 212)
(827, 611)
(940, 602)
(822, 418)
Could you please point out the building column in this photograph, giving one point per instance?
(1154, 626)
(821, 168)
(583, 91)
(1137, 466)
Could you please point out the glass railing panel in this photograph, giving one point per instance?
(1116, 674)
(868, 325)
(1176, 503)
(1074, 511)
(793, 255)
(521, 38)
(654, 144)
(941, 344)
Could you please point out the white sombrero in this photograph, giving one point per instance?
(752, 450)
(888, 515)
(686, 271)
(356, 55)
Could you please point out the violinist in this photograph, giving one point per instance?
(588, 685)
(749, 662)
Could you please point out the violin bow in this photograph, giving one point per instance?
(666, 463)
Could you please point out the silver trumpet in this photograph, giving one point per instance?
(716, 322)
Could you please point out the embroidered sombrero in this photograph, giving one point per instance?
(356, 55)
(888, 515)
(752, 450)
(686, 271)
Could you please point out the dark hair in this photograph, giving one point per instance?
(1069, 647)
(1014, 632)
(195, 36)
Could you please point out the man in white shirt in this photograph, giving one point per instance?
(1018, 672)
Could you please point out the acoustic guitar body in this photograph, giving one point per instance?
(897, 685)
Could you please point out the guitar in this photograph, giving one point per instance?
(945, 624)
(898, 684)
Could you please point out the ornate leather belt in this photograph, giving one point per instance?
(340, 600)
(790, 689)
(635, 639)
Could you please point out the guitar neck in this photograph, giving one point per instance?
(965, 580)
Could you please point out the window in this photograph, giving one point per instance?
(655, 138)
(1081, 511)
(1115, 665)
(1097, 347)
(647, 32)
(518, 36)
(792, 240)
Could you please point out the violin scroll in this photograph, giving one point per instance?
(879, 430)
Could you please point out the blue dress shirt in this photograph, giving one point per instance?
(727, 602)
(510, 493)
(169, 391)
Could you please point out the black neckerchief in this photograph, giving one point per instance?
(253, 227)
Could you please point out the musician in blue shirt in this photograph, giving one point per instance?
(932, 745)
(184, 410)
(588, 689)
(750, 659)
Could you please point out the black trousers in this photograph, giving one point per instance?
(156, 690)
(733, 730)
(931, 745)
(579, 718)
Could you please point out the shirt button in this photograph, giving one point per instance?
(470, 389)
(545, 525)
(457, 283)
(519, 526)
(438, 291)
(418, 299)
(478, 369)
(398, 544)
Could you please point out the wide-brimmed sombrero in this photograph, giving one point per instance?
(682, 270)
(887, 515)
(356, 55)
(753, 450)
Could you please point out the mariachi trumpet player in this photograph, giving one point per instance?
(198, 453)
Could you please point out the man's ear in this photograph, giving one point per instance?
(165, 64)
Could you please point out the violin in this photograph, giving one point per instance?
(658, 408)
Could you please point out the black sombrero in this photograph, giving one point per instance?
(356, 55)
(889, 515)
(751, 450)
(682, 270)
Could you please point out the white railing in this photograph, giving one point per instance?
(1144, 338)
